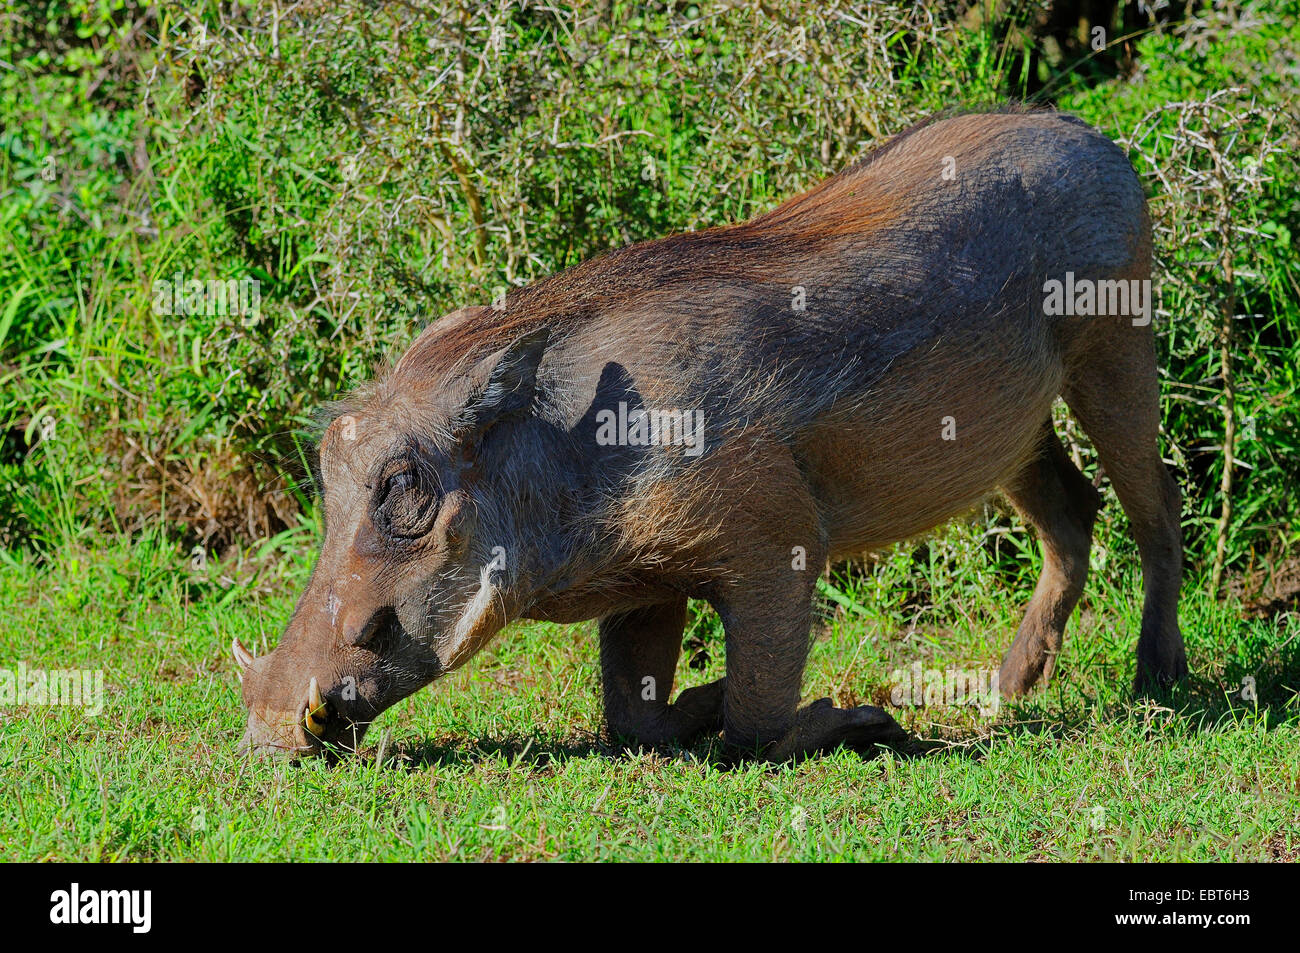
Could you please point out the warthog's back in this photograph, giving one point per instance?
(951, 226)
(897, 304)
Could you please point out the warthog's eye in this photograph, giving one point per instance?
(404, 508)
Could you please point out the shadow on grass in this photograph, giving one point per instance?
(534, 750)
(1260, 686)
(538, 752)
(1259, 683)
(1199, 703)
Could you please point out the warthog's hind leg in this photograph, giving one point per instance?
(1115, 396)
(1054, 498)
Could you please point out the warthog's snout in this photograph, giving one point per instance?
(307, 726)
(277, 738)
(420, 565)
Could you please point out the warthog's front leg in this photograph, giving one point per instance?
(638, 659)
(821, 726)
(767, 623)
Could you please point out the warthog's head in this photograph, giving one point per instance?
(423, 497)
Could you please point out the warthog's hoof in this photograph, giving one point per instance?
(820, 726)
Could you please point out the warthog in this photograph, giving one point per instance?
(855, 367)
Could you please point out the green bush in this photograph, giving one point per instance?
(375, 165)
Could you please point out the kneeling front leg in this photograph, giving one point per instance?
(638, 660)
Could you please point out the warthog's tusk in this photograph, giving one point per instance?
(315, 705)
(314, 696)
(242, 655)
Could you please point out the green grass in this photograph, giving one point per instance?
(504, 760)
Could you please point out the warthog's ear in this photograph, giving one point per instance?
(507, 389)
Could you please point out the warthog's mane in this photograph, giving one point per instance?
(661, 268)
